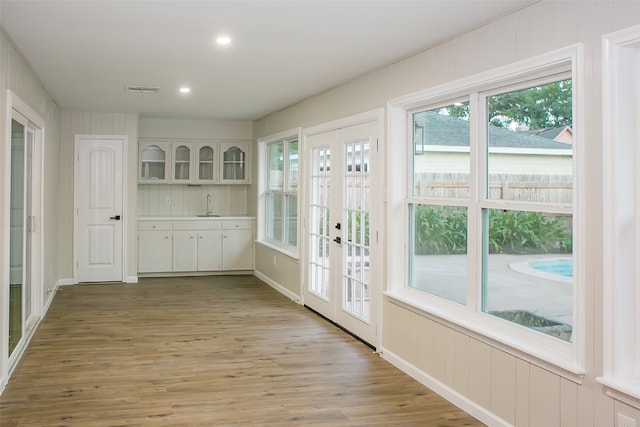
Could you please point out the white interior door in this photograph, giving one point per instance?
(339, 283)
(99, 204)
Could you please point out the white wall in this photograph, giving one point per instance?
(17, 75)
(497, 383)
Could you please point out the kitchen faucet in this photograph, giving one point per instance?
(209, 201)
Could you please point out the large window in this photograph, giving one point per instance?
(279, 192)
(489, 207)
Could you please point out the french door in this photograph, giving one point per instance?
(339, 242)
(23, 311)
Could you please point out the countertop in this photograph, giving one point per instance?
(194, 218)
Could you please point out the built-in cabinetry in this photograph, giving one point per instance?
(220, 244)
(188, 162)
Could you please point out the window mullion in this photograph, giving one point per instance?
(478, 169)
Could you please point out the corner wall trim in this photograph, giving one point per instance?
(132, 279)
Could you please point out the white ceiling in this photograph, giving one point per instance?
(85, 52)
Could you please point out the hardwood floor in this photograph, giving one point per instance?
(220, 350)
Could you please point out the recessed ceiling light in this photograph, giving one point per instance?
(223, 40)
(185, 90)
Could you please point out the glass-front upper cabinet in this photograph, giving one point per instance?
(154, 162)
(206, 163)
(182, 159)
(234, 163)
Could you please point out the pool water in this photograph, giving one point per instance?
(561, 266)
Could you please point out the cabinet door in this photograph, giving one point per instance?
(154, 251)
(183, 157)
(234, 163)
(209, 250)
(237, 249)
(185, 247)
(155, 160)
(206, 168)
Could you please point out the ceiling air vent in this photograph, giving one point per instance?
(142, 89)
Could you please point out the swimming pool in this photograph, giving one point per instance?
(561, 266)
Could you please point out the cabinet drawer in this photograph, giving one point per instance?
(154, 225)
(196, 225)
(237, 225)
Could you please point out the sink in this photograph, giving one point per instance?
(208, 216)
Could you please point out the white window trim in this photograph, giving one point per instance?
(565, 359)
(263, 170)
(621, 177)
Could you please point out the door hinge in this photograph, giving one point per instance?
(377, 240)
(377, 144)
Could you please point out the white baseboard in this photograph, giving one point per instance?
(52, 293)
(132, 279)
(278, 287)
(483, 414)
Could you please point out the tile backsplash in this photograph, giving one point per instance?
(190, 200)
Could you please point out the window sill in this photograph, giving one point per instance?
(518, 345)
(624, 391)
(288, 253)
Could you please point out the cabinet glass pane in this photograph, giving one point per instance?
(152, 163)
(233, 164)
(182, 156)
(205, 163)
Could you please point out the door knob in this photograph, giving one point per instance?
(117, 218)
(338, 240)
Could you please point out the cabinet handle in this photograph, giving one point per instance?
(166, 237)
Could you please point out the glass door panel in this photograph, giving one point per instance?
(320, 221)
(355, 281)
(16, 235)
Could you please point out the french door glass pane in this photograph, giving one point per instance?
(528, 265)
(320, 221)
(356, 279)
(16, 234)
(441, 140)
(438, 258)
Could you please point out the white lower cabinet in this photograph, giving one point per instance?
(209, 251)
(154, 247)
(185, 250)
(184, 246)
(237, 243)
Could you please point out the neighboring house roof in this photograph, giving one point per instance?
(560, 134)
(452, 131)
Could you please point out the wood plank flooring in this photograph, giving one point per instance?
(210, 351)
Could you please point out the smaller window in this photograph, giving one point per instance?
(278, 209)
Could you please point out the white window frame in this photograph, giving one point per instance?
(263, 180)
(621, 215)
(561, 357)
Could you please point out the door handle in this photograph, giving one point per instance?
(338, 240)
(116, 217)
